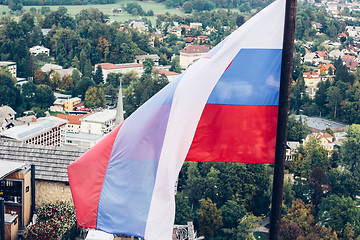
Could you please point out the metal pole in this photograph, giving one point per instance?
(2, 219)
(32, 190)
(286, 70)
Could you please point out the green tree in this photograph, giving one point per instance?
(338, 211)
(334, 98)
(129, 77)
(98, 76)
(75, 63)
(67, 83)
(232, 211)
(194, 184)
(114, 79)
(87, 69)
(40, 77)
(297, 129)
(94, 97)
(183, 210)
(75, 76)
(351, 146)
(148, 65)
(112, 92)
(344, 182)
(309, 157)
(209, 218)
(244, 228)
(82, 86)
(54, 79)
(187, 7)
(9, 93)
(44, 96)
(175, 65)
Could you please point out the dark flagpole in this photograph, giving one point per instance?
(286, 70)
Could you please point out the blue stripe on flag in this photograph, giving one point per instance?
(125, 198)
(255, 73)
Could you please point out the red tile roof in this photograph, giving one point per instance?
(342, 35)
(109, 66)
(166, 73)
(195, 49)
(73, 119)
(311, 74)
(326, 66)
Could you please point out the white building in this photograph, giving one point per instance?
(10, 65)
(6, 115)
(191, 53)
(141, 58)
(98, 122)
(36, 50)
(44, 131)
(82, 139)
(120, 68)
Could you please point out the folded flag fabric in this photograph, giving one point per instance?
(223, 108)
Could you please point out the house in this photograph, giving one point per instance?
(47, 68)
(290, 150)
(139, 59)
(186, 28)
(120, 68)
(169, 74)
(61, 105)
(98, 122)
(311, 79)
(11, 66)
(323, 55)
(335, 54)
(353, 31)
(43, 131)
(189, 39)
(139, 24)
(36, 50)
(317, 26)
(51, 181)
(191, 53)
(158, 36)
(74, 123)
(324, 68)
(67, 72)
(116, 10)
(342, 37)
(6, 115)
(350, 61)
(315, 58)
(351, 65)
(195, 25)
(325, 139)
(175, 30)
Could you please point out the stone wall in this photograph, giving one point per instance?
(51, 192)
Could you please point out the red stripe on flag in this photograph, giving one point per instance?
(86, 178)
(230, 133)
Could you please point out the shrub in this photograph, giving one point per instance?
(55, 221)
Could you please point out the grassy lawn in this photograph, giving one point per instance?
(158, 8)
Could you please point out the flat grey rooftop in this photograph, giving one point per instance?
(320, 123)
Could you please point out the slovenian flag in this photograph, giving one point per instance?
(223, 108)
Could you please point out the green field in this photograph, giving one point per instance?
(158, 8)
